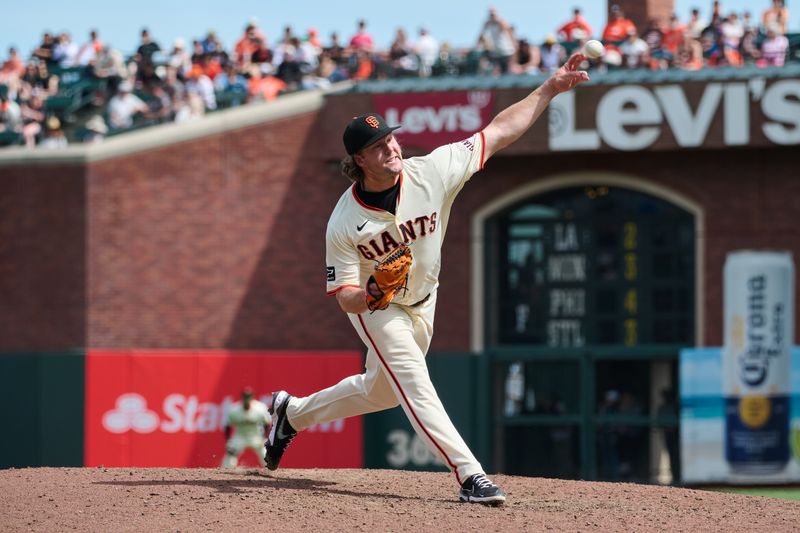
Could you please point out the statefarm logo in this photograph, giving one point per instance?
(180, 413)
(461, 117)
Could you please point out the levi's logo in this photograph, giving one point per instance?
(331, 273)
(372, 121)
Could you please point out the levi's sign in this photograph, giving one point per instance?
(635, 117)
(432, 119)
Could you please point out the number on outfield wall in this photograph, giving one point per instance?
(407, 448)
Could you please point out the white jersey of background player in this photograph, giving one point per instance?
(393, 201)
(245, 425)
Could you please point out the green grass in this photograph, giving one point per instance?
(783, 493)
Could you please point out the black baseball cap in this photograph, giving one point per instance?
(365, 130)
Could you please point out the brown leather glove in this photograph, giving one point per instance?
(391, 275)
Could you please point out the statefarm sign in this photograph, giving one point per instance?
(711, 115)
(432, 119)
(167, 408)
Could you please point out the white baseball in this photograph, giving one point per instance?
(593, 49)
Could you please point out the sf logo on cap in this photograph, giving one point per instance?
(372, 121)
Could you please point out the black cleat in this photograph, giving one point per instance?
(479, 489)
(282, 433)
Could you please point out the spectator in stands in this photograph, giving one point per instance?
(288, 35)
(190, 107)
(89, 50)
(732, 32)
(400, 45)
(361, 39)
(159, 105)
(33, 115)
(748, 46)
(147, 48)
(179, 58)
(653, 36)
(109, 66)
(197, 51)
(147, 75)
(280, 51)
(634, 50)
(44, 51)
(13, 68)
(776, 17)
(211, 44)
(362, 65)
(262, 56)
(336, 51)
(526, 60)
(209, 65)
(263, 87)
(712, 43)
(427, 48)
(618, 28)
(552, 54)
(307, 54)
(747, 21)
(54, 137)
(575, 29)
(691, 55)
(289, 70)
(248, 43)
(230, 79)
(499, 41)
(312, 36)
(96, 130)
(773, 48)
(612, 59)
(695, 25)
(714, 29)
(330, 69)
(674, 36)
(401, 61)
(174, 87)
(65, 52)
(38, 78)
(124, 106)
(200, 84)
(10, 113)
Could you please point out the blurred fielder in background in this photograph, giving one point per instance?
(246, 424)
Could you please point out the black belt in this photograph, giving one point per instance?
(421, 301)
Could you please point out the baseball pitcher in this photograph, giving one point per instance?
(246, 423)
(384, 242)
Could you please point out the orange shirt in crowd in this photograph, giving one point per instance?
(617, 30)
(14, 66)
(673, 38)
(267, 87)
(578, 23)
(211, 69)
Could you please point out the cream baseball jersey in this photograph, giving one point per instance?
(359, 235)
(248, 423)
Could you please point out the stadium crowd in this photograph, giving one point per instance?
(97, 91)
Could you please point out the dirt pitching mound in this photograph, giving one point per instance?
(313, 501)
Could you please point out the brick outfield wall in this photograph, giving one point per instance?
(219, 242)
(42, 258)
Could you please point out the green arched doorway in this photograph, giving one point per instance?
(589, 292)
